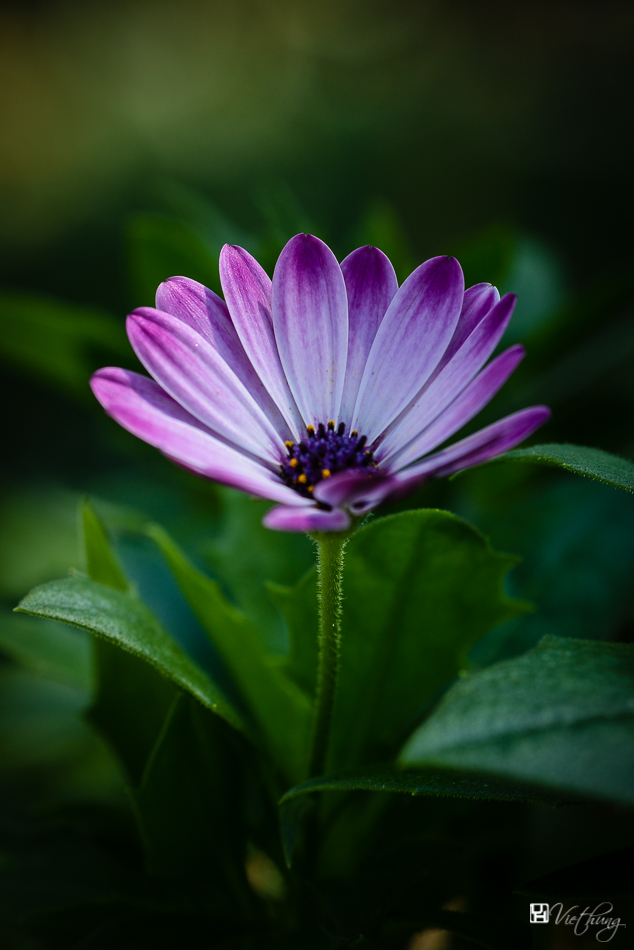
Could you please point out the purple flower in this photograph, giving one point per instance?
(325, 390)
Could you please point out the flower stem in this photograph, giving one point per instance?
(330, 549)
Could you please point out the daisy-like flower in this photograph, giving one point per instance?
(327, 390)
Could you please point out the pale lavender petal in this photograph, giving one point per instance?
(356, 489)
(306, 519)
(477, 302)
(143, 408)
(196, 376)
(475, 449)
(449, 382)
(247, 290)
(201, 309)
(204, 311)
(310, 318)
(371, 284)
(413, 335)
(468, 404)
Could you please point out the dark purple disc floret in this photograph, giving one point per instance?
(322, 453)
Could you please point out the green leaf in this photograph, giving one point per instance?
(101, 561)
(124, 620)
(593, 463)
(446, 783)
(435, 782)
(132, 698)
(50, 650)
(572, 529)
(562, 715)
(58, 342)
(245, 569)
(279, 706)
(160, 247)
(189, 802)
(419, 589)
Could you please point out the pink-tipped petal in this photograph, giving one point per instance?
(310, 318)
(247, 290)
(449, 382)
(306, 519)
(477, 448)
(356, 489)
(196, 376)
(468, 404)
(370, 284)
(409, 343)
(143, 408)
(476, 303)
(204, 311)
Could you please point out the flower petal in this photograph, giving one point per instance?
(310, 318)
(413, 335)
(200, 308)
(356, 489)
(370, 284)
(196, 376)
(247, 290)
(143, 408)
(449, 382)
(204, 311)
(468, 404)
(306, 519)
(477, 302)
(477, 448)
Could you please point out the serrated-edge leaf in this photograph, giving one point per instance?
(420, 628)
(589, 462)
(113, 614)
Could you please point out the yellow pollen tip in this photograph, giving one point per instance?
(289, 445)
(302, 479)
(293, 463)
(310, 430)
(331, 424)
(311, 488)
(354, 434)
(325, 473)
(368, 452)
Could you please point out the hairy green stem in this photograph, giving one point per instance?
(330, 549)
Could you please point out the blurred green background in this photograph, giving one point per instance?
(138, 137)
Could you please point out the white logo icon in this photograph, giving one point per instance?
(540, 913)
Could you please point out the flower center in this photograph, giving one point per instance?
(324, 453)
